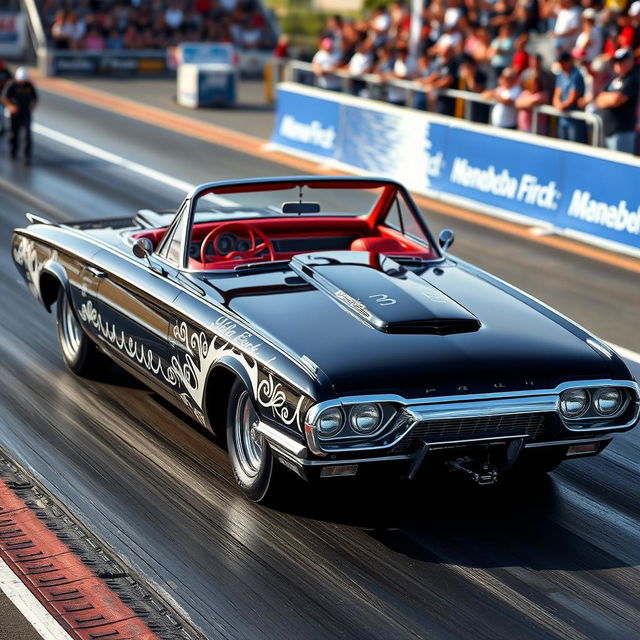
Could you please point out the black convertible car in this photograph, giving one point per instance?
(317, 324)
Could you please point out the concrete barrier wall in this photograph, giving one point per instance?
(573, 189)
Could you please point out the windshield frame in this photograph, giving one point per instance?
(375, 216)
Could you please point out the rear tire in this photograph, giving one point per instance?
(254, 467)
(78, 351)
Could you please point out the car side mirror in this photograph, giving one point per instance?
(142, 248)
(446, 238)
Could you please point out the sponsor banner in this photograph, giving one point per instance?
(12, 33)
(504, 173)
(307, 124)
(549, 181)
(108, 63)
(601, 197)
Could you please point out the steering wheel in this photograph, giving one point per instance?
(241, 229)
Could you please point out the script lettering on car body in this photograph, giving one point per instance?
(383, 299)
(354, 304)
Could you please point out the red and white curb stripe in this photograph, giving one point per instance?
(51, 585)
(29, 606)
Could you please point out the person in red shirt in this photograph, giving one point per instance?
(203, 6)
(627, 36)
(520, 58)
(282, 48)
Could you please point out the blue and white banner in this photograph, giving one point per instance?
(540, 178)
(206, 52)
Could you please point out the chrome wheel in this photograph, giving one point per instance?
(248, 442)
(71, 331)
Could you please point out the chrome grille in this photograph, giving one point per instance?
(531, 424)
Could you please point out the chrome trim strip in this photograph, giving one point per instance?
(601, 348)
(337, 463)
(434, 445)
(559, 443)
(411, 456)
(482, 408)
(282, 441)
(409, 402)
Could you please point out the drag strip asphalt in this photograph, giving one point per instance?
(557, 560)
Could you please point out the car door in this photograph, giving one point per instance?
(135, 297)
(133, 304)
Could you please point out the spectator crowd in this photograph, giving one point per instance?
(97, 25)
(515, 54)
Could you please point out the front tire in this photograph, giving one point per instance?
(252, 461)
(78, 351)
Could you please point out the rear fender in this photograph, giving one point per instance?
(53, 277)
(29, 257)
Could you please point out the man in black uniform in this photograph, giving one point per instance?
(618, 103)
(20, 98)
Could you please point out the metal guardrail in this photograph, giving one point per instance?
(302, 72)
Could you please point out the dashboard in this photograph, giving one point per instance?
(228, 242)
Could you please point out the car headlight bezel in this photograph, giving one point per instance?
(357, 413)
(597, 399)
(338, 417)
(573, 415)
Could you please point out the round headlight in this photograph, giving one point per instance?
(574, 402)
(607, 401)
(365, 418)
(329, 422)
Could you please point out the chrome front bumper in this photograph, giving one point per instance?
(295, 455)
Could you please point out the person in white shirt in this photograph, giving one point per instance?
(590, 42)
(504, 113)
(404, 68)
(567, 25)
(362, 60)
(380, 23)
(327, 60)
(360, 64)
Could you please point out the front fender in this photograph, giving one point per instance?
(275, 400)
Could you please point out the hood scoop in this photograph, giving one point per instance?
(383, 294)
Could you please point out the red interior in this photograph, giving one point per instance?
(375, 239)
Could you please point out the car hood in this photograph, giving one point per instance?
(373, 326)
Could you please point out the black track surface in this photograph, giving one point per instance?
(439, 560)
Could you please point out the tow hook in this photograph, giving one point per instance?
(483, 475)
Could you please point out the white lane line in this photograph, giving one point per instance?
(107, 156)
(129, 165)
(182, 185)
(626, 353)
(29, 606)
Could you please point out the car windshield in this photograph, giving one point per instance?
(298, 200)
(273, 220)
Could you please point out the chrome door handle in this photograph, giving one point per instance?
(96, 273)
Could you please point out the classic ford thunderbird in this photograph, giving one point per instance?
(318, 326)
